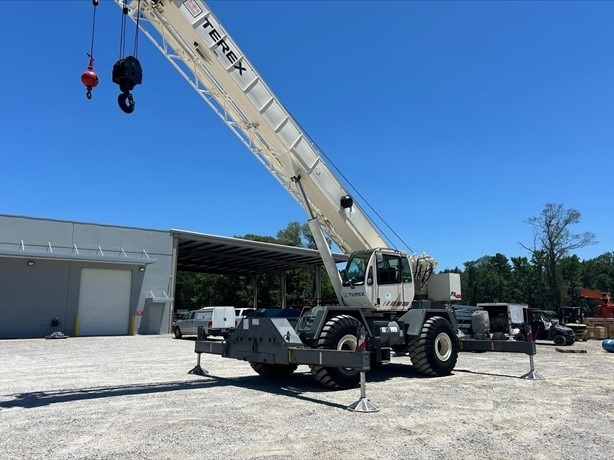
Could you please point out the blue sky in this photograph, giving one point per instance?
(456, 120)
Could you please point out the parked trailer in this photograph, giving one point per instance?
(506, 318)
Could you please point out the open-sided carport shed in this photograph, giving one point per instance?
(197, 252)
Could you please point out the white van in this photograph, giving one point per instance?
(222, 320)
(214, 321)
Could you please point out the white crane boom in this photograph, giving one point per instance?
(190, 36)
(193, 40)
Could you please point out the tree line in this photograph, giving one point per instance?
(526, 280)
(549, 277)
(545, 278)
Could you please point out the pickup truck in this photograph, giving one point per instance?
(217, 321)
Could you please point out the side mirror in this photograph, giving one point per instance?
(344, 277)
(370, 276)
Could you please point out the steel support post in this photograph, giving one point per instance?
(197, 369)
(532, 374)
(363, 404)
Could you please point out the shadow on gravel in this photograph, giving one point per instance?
(293, 386)
(492, 374)
(297, 384)
(402, 370)
(44, 398)
(391, 370)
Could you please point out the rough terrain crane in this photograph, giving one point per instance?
(393, 297)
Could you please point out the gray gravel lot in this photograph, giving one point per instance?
(131, 398)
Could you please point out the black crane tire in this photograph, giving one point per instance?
(339, 333)
(435, 351)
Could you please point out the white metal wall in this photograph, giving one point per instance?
(104, 302)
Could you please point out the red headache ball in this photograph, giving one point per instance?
(89, 78)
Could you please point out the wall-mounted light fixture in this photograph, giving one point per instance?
(30, 263)
(141, 269)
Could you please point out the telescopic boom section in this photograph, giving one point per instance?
(194, 41)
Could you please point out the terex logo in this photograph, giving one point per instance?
(356, 294)
(221, 42)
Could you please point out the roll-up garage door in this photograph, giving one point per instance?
(104, 302)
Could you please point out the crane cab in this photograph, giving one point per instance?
(381, 279)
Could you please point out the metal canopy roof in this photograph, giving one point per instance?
(198, 252)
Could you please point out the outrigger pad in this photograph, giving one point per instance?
(363, 405)
(197, 370)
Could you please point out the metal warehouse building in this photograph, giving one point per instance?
(91, 279)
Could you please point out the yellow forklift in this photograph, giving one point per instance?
(573, 318)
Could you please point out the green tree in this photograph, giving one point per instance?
(598, 273)
(552, 241)
(196, 290)
(540, 288)
(521, 287)
(291, 235)
(487, 279)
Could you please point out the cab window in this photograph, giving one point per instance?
(356, 269)
(389, 269)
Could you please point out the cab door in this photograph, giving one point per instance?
(394, 281)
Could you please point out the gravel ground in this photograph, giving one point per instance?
(131, 398)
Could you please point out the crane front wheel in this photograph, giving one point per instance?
(339, 333)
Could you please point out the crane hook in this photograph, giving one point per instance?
(126, 102)
(127, 73)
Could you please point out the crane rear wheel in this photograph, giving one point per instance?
(435, 351)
